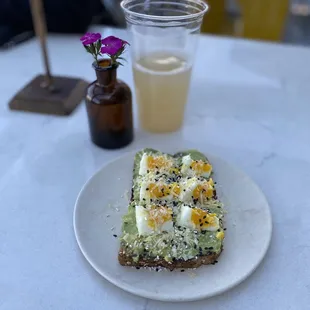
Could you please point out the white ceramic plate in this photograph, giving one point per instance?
(102, 202)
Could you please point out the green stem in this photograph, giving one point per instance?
(96, 59)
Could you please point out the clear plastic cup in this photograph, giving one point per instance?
(163, 45)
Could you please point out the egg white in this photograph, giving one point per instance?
(145, 194)
(186, 164)
(187, 188)
(185, 219)
(143, 164)
(142, 218)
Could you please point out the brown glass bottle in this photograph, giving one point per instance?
(109, 108)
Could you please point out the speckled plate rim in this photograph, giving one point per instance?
(152, 295)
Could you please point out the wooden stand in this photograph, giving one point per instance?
(62, 100)
(46, 93)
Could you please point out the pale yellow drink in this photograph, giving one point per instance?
(162, 82)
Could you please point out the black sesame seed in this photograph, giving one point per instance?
(225, 228)
(216, 261)
(184, 190)
(115, 236)
(219, 207)
(151, 200)
(201, 224)
(157, 172)
(157, 269)
(195, 246)
(137, 267)
(147, 171)
(205, 217)
(204, 232)
(147, 189)
(218, 230)
(143, 199)
(206, 248)
(211, 248)
(182, 270)
(206, 222)
(199, 220)
(185, 243)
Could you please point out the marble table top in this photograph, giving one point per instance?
(249, 103)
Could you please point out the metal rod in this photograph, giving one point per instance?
(39, 24)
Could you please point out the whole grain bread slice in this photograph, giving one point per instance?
(126, 260)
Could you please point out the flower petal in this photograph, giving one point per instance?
(90, 38)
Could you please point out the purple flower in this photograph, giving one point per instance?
(112, 45)
(90, 38)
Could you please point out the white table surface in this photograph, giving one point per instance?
(249, 103)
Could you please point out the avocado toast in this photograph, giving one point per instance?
(174, 218)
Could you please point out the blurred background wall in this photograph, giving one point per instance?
(273, 20)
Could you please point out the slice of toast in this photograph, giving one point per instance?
(125, 260)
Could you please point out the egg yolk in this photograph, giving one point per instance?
(203, 191)
(202, 219)
(201, 167)
(157, 162)
(158, 215)
(163, 190)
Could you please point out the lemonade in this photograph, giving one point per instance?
(162, 82)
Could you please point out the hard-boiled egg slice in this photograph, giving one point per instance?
(195, 167)
(198, 219)
(195, 190)
(153, 219)
(150, 163)
(158, 191)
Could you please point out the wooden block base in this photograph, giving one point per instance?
(68, 92)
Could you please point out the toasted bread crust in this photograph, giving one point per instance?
(125, 260)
